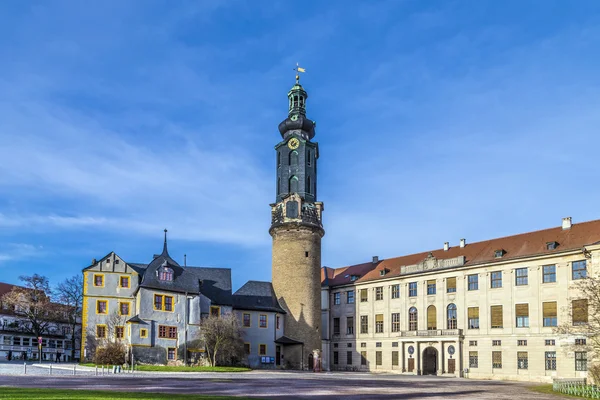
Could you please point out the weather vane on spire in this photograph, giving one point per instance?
(298, 69)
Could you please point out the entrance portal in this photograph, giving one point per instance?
(430, 361)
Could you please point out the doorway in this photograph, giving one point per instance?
(430, 361)
(278, 355)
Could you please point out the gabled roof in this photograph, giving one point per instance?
(137, 320)
(344, 275)
(257, 296)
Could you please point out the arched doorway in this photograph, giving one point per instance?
(311, 361)
(430, 361)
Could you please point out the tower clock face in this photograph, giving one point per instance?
(293, 143)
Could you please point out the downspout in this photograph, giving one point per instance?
(185, 329)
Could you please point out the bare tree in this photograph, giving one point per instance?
(222, 338)
(69, 294)
(112, 348)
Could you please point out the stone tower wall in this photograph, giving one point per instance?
(296, 281)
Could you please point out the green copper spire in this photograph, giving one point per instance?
(297, 100)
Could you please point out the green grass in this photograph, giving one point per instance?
(168, 368)
(547, 389)
(61, 394)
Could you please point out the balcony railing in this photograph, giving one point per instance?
(432, 332)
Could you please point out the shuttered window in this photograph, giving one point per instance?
(451, 285)
(497, 316)
(522, 315)
(549, 313)
(431, 318)
(473, 314)
(378, 323)
(580, 312)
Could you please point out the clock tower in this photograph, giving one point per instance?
(297, 229)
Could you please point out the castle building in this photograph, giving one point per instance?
(486, 310)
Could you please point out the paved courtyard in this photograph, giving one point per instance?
(272, 384)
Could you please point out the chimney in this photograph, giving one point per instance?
(566, 223)
(446, 246)
(463, 242)
(375, 259)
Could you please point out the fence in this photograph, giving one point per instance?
(577, 388)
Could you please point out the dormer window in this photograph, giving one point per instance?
(353, 277)
(165, 274)
(551, 245)
(499, 253)
(383, 272)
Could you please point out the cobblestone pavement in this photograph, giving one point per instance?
(273, 384)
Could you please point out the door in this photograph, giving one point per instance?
(411, 364)
(451, 366)
(278, 355)
(430, 361)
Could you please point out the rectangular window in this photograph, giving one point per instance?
(550, 342)
(247, 348)
(364, 295)
(394, 344)
(580, 312)
(277, 322)
(158, 302)
(143, 333)
(100, 331)
(377, 344)
(379, 323)
(363, 358)
(579, 269)
(246, 320)
(550, 361)
(337, 298)
(335, 358)
(363, 344)
(349, 325)
(549, 313)
(395, 322)
(124, 282)
(171, 353)
(521, 342)
(522, 360)
(496, 342)
(98, 280)
(521, 277)
(364, 324)
(379, 293)
(473, 281)
(262, 321)
(394, 358)
(169, 303)
(378, 358)
(431, 287)
(262, 349)
(336, 326)
(472, 342)
(349, 345)
(581, 361)
(101, 307)
(167, 332)
(473, 314)
(350, 297)
(349, 357)
(473, 359)
(522, 315)
(580, 342)
(119, 332)
(496, 359)
(497, 317)
(496, 279)
(412, 289)
(451, 285)
(549, 273)
(123, 308)
(395, 291)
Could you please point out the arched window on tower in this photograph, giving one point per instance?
(412, 319)
(431, 318)
(451, 316)
(278, 159)
(293, 184)
(278, 185)
(308, 158)
(308, 185)
(293, 158)
(295, 101)
(301, 101)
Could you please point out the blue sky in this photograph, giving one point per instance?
(437, 120)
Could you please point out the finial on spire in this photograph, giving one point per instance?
(165, 245)
(298, 69)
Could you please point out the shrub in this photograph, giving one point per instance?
(110, 354)
(594, 373)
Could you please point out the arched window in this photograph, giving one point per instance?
(431, 318)
(412, 319)
(278, 159)
(451, 316)
(308, 160)
(308, 187)
(295, 101)
(293, 158)
(293, 185)
(278, 185)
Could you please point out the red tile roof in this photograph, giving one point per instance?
(516, 246)
(5, 288)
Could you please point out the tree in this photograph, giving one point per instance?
(222, 338)
(69, 294)
(111, 344)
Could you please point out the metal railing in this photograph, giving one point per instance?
(432, 332)
(577, 388)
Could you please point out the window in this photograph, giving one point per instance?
(119, 332)
(473, 314)
(521, 342)
(549, 273)
(581, 361)
(247, 348)
(124, 282)
(364, 324)
(497, 317)
(496, 279)
(395, 322)
(364, 295)
(379, 323)
(496, 342)
(550, 342)
(550, 361)
(522, 360)
(521, 276)
(431, 318)
(165, 274)
(580, 342)
(143, 333)
(101, 331)
(377, 344)
(378, 358)
(336, 326)
(98, 280)
(451, 314)
(335, 345)
(473, 359)
(123, 308)
(277, 322)
(215, 311)
(395, 291)
(262, 321)
(473, 282)
(363, 344)
(549, 313)
(363, 358)
(431, 287)
(169, 304)
(451, 285)
(379, 293)
(101, 307)
(163, 302)
(412, 289)
(394, 344)
(349, 345)
(167, 332)
(350, 297)
(337, 298)
(580, 312)
(498, 253)
(496, 359)
(246, 320)
(394, 358)
(349, 325)
(522, 315)
(349, 358)
(335, 358)
(262, 349)
(579, 270)
(412, 319)
(551, 245)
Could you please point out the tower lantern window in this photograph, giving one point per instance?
(295, 101)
